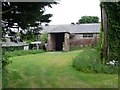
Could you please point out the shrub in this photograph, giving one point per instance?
(100, 42)
(44, 37)
(5, 60)
(12, 48)
(89, 61)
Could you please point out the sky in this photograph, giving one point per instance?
(68, 11)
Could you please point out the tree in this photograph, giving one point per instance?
(24, 14)
(89, 19)
(44, 37)
(111, 30)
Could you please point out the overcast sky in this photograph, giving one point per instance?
(71, 10)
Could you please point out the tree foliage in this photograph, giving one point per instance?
(100, 45)
(89, 19)
(44, 37)
(113, 32)
(25, 14)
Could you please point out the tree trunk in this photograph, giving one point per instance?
(104, 28)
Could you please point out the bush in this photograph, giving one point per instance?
(89, 61)
(100, 42)
(22, 52)
(5, 60)
(44, 37)
(12, 48)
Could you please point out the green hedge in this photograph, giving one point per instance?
(22, 52)
(88, 61)
(12, 48)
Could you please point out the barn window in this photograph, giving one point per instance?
(87, 35)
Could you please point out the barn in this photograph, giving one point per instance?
(63, 37)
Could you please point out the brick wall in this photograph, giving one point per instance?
(78, 40)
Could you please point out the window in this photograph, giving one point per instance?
(87, 35)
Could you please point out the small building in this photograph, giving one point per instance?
(63, 37)
(17, 46)
(9, 45)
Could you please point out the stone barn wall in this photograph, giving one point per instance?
(76, 41)
(79, 40)
(51, 42)
(66, 42)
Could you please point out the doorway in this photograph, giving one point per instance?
(59, 40)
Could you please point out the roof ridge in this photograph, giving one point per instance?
(82, 28)
(74, 25)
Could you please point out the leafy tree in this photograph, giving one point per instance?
(89, 19)
(24, 14)
(44, 37)
(112, 10)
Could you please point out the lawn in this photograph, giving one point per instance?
(53, 70)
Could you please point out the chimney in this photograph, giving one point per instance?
(72, 23)
(77, 23)
(46, 24)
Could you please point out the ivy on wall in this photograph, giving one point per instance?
(113, 32)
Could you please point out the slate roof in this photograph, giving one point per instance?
(77, 28)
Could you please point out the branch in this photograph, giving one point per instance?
(6, 11)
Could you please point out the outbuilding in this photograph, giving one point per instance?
(63, 37)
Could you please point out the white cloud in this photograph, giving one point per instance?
(71, 10)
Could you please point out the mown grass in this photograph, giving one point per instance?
(53, 70)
